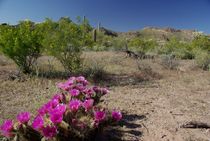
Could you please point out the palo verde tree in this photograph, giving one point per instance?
(21, 43)
(201, 42)
(142, 45)
(64, 40)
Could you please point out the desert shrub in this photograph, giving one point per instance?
(103, 42)
(118, 43)
(98, 48)
(73, 114)
(181, 50)
(169, 62)
(109, 44)
(143, 66)
(201, 42)
(141, 45)
(202, 58)
(95, 71)
(65, 41)
(21, 43)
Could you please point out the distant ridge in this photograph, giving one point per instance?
(159, 34)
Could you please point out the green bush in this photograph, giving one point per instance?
(118, 43)
(21, 43)
(202, 58)
(181, 50)
(65, 41)
(201, 42)
(140, 45)
(103, 42)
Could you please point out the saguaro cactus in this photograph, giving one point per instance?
(94, 35)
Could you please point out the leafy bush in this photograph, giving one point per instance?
(141, 45)
(65, 40)
(103, 42)
(181, 50)
(201, 42)
(21, 43)
(118, 43)
(72, 114)
(202, 58)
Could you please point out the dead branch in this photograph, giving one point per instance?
(195, 124)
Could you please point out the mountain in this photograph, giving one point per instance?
(159, 34)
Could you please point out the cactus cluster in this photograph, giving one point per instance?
(72, 114)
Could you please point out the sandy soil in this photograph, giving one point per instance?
(153, 108)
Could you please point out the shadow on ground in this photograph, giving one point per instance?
(115, 133)
(124, 79)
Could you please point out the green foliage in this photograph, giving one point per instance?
(201, 42)
(202, 58)
(119, 43)
(201, 49)
(65, 41)
(21, 43)
(179, 49)
(141, 45)
(103, 40)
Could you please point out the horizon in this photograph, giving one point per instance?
(118, 15)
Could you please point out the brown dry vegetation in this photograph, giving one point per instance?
(155, 101)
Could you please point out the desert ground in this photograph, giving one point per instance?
(155, 101)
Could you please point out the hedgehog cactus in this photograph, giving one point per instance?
(72, 114)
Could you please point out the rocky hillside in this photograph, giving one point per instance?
(159, 34)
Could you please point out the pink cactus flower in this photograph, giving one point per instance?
(88, 104)
(70, 82)
(61, 108)
(100, 90)
(89, 92)
(97, 89)
(38, 122)
(74, 92)
(63, 86)
(56, 115)
(56, 118)
(80, 79)
(80, 87)
(74, 105)
(72, 78)
(105, 91)
(58, 96)
(23, 117)
(99, 116)
(53, 103)
(6, 128)
(42, 111)
(85, 82)
(49, 131)
(116, 115)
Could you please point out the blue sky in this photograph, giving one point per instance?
(118, 15)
